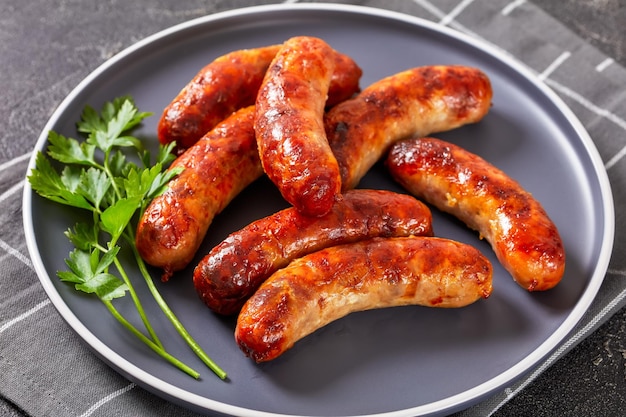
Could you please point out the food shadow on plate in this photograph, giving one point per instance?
(371, 342)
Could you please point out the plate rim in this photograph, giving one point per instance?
(166, 389)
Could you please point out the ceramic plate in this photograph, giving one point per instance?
(404, 361)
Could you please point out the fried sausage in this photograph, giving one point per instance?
(524, 239)
(215, 170)
(231, 272)
(231, 82)
(225, 85)
(416, 102)
(382, 272)
(289, 125)
(344, 83)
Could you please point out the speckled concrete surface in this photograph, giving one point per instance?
(581, 381)
(601, 22)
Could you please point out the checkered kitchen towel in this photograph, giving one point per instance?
(38, 351)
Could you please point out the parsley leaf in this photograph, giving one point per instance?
(117, 216)
(83, 236)
(98, 175)
(94, 185)
(70, 151)
(88, 273)
(49, 184)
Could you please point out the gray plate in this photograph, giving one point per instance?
(395, 362)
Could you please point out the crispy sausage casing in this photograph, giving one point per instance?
(231, 82)
(382, 272)
(228, 83)
(289, 125)
(415, 102)
(215, 170)
(237, 266)
(525, 240)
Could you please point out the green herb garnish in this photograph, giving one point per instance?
(97, 176)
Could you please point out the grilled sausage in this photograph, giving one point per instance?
(524, 239)
(215, 170)
(344, 83)
(415, 102)
(289, 125)
(231, 82)
(231, 272)
(228, 83)
(382, 272)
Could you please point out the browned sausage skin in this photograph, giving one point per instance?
(230, 273)
(344, 83)
(382, 272)
(289, 125)
(415, 102)
(215, 170)
(228, 83)
(524, 239)
(168, 233)
(231, 82)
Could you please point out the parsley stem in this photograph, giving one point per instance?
(156, 348)
(107, 170)
(195, 347)
(138, 304)
(135, 297)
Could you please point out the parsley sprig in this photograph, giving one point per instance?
(97, 176)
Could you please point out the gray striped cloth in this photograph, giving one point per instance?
(45, 369)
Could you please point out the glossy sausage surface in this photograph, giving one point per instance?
(382, 272)
(231, 82)
(523, 237)
(225, 85)
(215, 170)
(289, 125)
(230, 273)
(415, 102)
